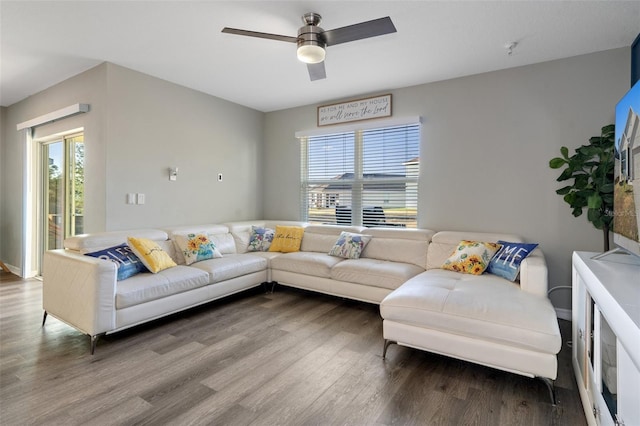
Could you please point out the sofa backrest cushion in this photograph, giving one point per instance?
(322, 238)
(169, 247)
(218, 234)
(87, 243)
(398, 245)
(444, 243)
(241, 231)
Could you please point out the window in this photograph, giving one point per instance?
(362, 177)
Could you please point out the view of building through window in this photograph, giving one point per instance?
(367, 177)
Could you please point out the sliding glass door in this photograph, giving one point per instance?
(62, 190)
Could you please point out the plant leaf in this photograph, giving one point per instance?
(594, 201)
(556, 163)
(564, 151)
(607, 188)
(564, 190)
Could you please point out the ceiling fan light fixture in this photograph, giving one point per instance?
(311, 53)
(311, 41)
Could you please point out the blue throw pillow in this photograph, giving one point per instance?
(506, 262)
(127, 262)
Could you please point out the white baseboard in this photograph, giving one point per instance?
(563, 313)
(14, 270)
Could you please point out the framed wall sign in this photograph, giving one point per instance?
(355, 110)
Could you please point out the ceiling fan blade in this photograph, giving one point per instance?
(259, 35)
(316, 71)
(359, 31)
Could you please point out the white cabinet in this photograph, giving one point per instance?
(606, 337)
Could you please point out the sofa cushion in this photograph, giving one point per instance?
(241, 231)
(349, 245)
(321, 238)
(307, 263)
(399, 245)
(224, 242)
(86, 243)
(146, 287)
(485, 306)
(231, 266)
(374, 272)
(471, 257)
(218, 234)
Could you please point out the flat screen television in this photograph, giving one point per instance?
(626, 191)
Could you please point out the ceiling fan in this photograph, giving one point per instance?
(312, 39)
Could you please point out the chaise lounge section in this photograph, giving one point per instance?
(483, 319)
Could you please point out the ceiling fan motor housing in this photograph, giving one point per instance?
(311, 41)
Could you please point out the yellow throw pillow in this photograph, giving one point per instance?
(287, 239)
(151, 254)
(471, 257)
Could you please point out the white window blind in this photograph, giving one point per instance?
(362, 177)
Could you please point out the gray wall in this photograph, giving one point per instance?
(136, 128)
(486, 143)
(88, 87)
(3, 113)
(154, 125)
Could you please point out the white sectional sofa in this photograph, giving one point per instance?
(483, 319)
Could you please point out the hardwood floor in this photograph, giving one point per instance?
(290, 358)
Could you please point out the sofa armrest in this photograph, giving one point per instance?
(79, 290)
(534, 274)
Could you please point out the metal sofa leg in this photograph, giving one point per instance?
(387, 343)
(44, 318)
(552, 390)
(94, 341)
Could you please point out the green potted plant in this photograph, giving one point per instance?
(591, 168)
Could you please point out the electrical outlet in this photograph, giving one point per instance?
(219, 177)
(141, 198)
(131, 198)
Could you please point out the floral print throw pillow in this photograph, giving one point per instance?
(349, 245)
(471, 257)
(260, 239)
(196, 247)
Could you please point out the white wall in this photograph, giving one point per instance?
(486, 143)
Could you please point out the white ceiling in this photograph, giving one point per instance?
(43, 43)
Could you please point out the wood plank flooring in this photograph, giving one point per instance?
(287, 358)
